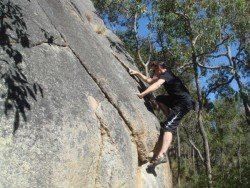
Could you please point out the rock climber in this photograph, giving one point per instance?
(175, 105)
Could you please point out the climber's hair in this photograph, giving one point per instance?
(162, 64)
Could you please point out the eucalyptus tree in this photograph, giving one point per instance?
(195, 36)
(200, 29)
(123, 17)
(229, 135)
(235, 52)
(200, 33)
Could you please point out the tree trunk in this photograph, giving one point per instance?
(243, 95)
(239, 161)
(198, 170)
(200, 123)
(193, 161)
(146, 70)
(179, 156)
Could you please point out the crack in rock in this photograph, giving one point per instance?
(142, 151)
(103, 132)
(46, 42)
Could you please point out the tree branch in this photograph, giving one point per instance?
(120, 6)
(195, 39)
(240, 50)
(150, 52)
(186, 69)
(229, 55)
(216, 56)
(215, 48)
(219, 85)
(216, 67)
(192, 144)
(137, 40)
(185, 65)
(182, 15)
(186, 19)
(198, 151)
(141, 61)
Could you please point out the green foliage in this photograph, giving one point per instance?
(228, 135)
(228, 138)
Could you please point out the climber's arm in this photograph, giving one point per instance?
(151, 88)
(143, 77)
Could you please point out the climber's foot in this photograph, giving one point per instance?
(151, 169)
(158, 160)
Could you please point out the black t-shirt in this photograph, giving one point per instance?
(174, 86)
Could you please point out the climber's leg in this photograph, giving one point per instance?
(158, 145)
(164, 102)
(163, 108)
(166, 141)
(168, 127)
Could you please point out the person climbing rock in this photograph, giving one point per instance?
(175, 105)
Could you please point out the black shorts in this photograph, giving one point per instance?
(179, 108)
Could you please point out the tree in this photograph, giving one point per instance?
(126, 14)
(199, 39)
(201, 29)
(228, 133)
(237, 27)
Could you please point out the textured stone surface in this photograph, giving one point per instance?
(83, 125)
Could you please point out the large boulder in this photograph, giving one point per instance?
(68, 111)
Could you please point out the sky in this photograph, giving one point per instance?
(144, 32)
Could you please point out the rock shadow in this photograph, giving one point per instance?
(119, 48)
(149, 100)
(17, 89)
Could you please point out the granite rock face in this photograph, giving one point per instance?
(69, 115)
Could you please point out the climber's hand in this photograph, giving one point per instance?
(139, 95)
(132, 72)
